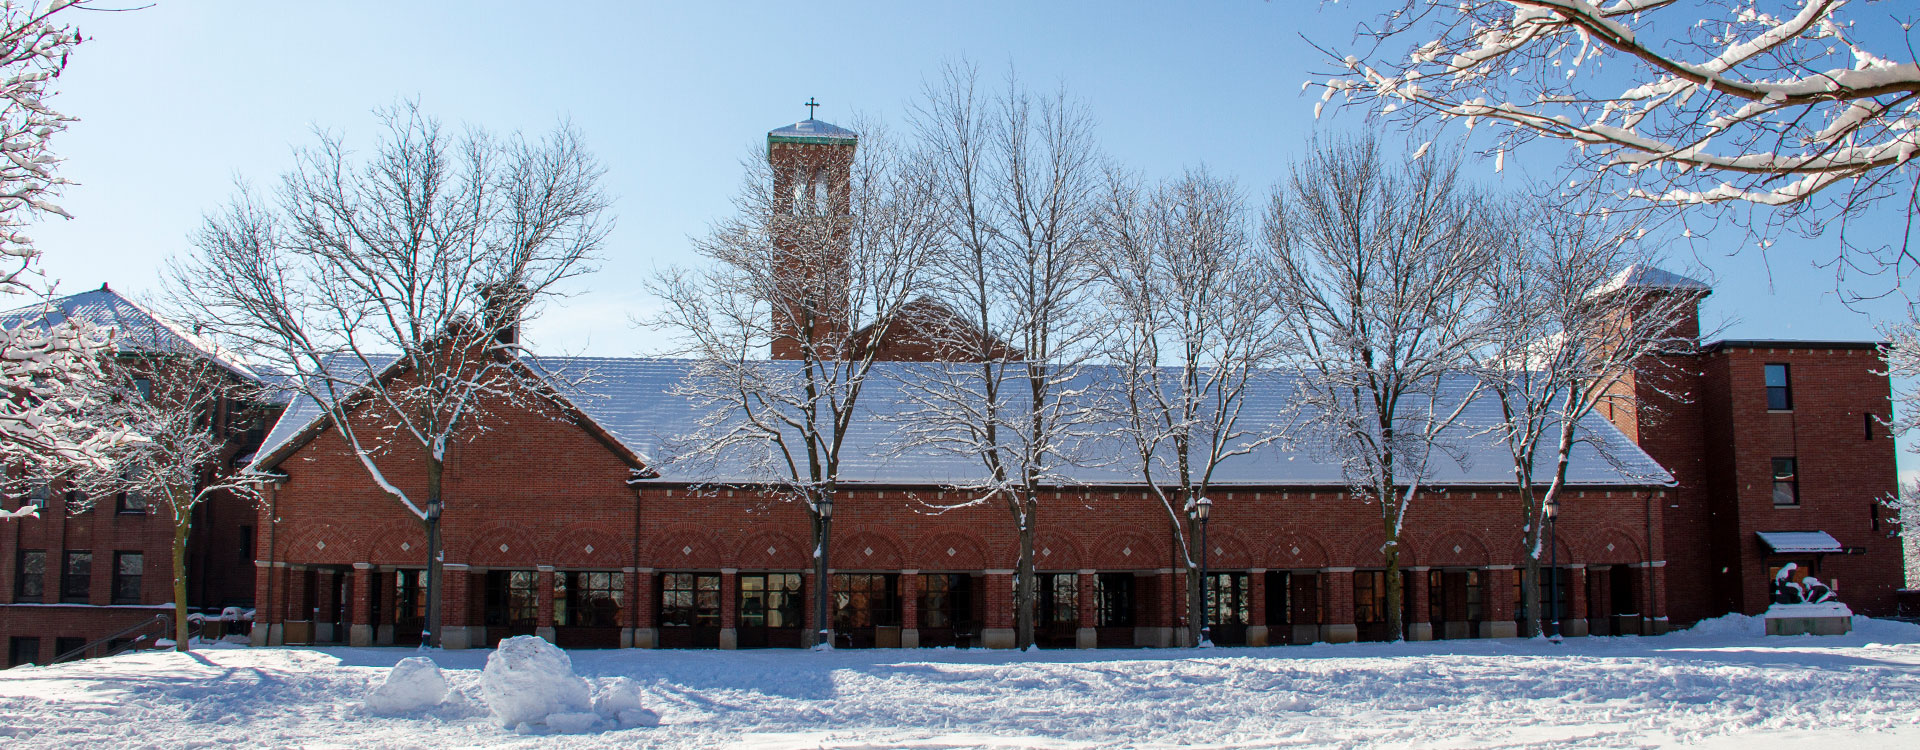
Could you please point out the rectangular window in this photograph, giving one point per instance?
(1474, 613)
(1786, 483)
(946, 601)
(69, 644)
(512, 600)
(770, 601)
(127, 568)
(1113, 596)
(862, 600)
(592, 599)
(144, 387)
(22, 650)
(246, 545)
(1059, 598)
(76, 575)
(1369, 596)
(132, 502)
(690, 600)
(409, 598)
(30, 576)
(1229, 600)
(1869, 420)
(1779, 389)
(38, 495)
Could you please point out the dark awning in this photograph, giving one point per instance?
(1800, 542)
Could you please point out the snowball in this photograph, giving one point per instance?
(413, 684)
(527, 679)
(621, 701)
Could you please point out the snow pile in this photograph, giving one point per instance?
(620, 702)
(413, 684)
(1727, 626)
(529, 681)
(1891, 631)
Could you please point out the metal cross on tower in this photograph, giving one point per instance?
(810, 105)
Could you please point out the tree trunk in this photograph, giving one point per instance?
(1195, 601)
(1395, 631)
(182, 525)
(431, 635)
(1024, 588)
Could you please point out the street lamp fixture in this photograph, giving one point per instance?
(1202, 510)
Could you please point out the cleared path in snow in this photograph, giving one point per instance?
(1722, 688)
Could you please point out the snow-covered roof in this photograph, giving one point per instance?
(1801, 542)
(635, 402)
(1643, 276)
(811, 131)
(135, 329)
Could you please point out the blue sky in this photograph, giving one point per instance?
(178, 100)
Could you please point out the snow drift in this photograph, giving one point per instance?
(527, 680)
(413, 684)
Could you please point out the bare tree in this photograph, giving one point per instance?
(389, 290)
(1019, 177)
(1191, 328)
(1573, 317)
(48, 368)
(1767, 103)
(1375, 269)
(824, 288)
(188, 408)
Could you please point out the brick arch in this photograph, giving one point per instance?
(396, 543)
(1226, 549)
(969, 552)
(588, 545)
(1298, 548)
(1363, 548)
(1457, 547)
(521, 550)
(321, 544)
(1127, 548)
(683, 546)
(1592, 548)
(850, 552)
(788, 552)
(1053, 550)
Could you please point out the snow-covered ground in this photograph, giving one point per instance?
(1719, 686)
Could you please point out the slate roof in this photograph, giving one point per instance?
(1641, 275)
(811, 131)
(135, 329)
(634, 401)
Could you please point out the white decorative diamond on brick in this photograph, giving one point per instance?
(951, 552)
(1456, 549)
(589, 549)
(1128, 551)
(1609, 546)
(1296, 551)
(1044, 552)
(503, 548)
(404, 546)
(321, 544)
(1219, 551)
(770, 550)
(687, 550)
(869, 552)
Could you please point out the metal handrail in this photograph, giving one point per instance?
(166, 626)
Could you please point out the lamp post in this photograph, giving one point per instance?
(1202, 510)
(822, 618)
(1552, 512)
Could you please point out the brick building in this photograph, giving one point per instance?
(71, 578)
(1728, 460)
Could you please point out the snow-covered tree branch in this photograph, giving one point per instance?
(1771, 103)
(389, 289)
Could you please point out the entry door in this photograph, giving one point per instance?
(866, 605)
(1230, 608)
(946, 610)
(1304, 604)
(512, 604)
(689, 610)
(770, 610)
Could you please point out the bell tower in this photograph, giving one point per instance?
(812, 167)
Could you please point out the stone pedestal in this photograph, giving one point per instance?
(1826, 618)
(909, 637)
(1340, 633)
(1086, 638)
(360, 635)
(544, 633)
(997, 637)
(729, 639)
(1257, 636)
(646, 638)
(1420, 631)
